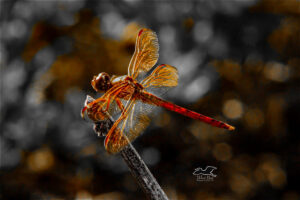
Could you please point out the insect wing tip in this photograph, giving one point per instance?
(140, 32)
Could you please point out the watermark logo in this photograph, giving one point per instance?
(205, 174)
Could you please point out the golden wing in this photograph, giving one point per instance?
(161, 79)
(132, 122)
(146, 53)
(116, 140)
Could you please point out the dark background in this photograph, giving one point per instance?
(238, 61)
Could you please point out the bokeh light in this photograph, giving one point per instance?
(222, 151)
(233, 109)
(240, 184)
(277, 72)
(203, 31)
(40, 160)
(151, 156)
(254, 118)
(197, 88)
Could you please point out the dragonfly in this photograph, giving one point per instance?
(132, 95)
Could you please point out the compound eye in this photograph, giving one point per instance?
(106, 77)
(101, 82)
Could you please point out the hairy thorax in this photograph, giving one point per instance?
(131, 87)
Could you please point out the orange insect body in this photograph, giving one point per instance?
(139, 101)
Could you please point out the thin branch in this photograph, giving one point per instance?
(142, 174)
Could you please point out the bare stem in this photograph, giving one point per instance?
(142, 174)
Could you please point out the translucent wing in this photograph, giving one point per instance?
(129, 126)
(116, 140)
(146, 53)
(161, 79)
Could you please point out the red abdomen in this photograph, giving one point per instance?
(152, 99)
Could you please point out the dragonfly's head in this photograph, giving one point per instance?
(102, 82)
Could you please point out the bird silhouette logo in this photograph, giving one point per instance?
(208, 171)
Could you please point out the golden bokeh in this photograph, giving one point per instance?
(259, 175)
(222, 152)
(230, 69)
(83, 194)
(40, 160)
(110, 195)
(276, 71)
(233, 109)
(240, 184)
(242, 164)
(277, 178)
(270, 169)
(254, 118)
(188, 24)
(199, 130)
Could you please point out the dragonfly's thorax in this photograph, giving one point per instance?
(137, 86)
(129, 85)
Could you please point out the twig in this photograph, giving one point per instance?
(142, 174)
(137, 167)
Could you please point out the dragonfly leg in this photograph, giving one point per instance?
(96, 101)
(107, 104)
(114, 96)
(120, 104)
(89, 105)
(104, 99)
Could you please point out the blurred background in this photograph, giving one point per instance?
(238, 61)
